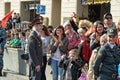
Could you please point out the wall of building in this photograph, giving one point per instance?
(15, 5)
(70, 6)
(115, 10)
(56, 11)
(67, 7)
(2, 9)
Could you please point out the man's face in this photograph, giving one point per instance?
(38, 27)
(111, 39)
(108, 19)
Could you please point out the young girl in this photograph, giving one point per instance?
(72, 65)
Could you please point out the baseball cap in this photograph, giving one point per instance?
(108, 16)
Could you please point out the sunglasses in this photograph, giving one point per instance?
(58, 30)
(111, 36)
(108, 18)
(38, 24)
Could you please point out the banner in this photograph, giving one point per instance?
(5, 19)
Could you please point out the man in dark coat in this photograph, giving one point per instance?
(108, 58)
(35, 50)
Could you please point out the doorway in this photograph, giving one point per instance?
(96, 11)
(7, 8)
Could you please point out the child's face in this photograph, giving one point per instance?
(72, 57)
(103, 41)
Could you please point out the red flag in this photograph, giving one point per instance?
(91, 30)
(5, 19)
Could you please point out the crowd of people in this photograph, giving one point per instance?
(80, 49)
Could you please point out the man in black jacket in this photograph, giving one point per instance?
(35, 50)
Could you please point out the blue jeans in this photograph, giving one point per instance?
(57, 71)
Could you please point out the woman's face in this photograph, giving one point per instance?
(68, 27)
(41, 31)
(100, 28)
(59, 31)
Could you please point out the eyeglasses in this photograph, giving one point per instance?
(58, 30)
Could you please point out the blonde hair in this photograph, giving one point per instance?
(74, 52)
(85, 22)
(104, 37)
(80, 30)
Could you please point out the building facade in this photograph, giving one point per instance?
(58, 11)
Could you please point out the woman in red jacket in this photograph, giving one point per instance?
(83, 45)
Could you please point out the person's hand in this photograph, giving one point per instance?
(53, 37)
(60, 43)
(37, 68)
(73, 15)
(85, 68)
(48, 50)
(62, 57)
(56, 43)
(97, 39)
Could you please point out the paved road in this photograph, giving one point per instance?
(48, 75)
(12, 76)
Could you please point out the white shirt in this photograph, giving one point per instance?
(57, 55)
(111, 45)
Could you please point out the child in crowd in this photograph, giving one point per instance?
(90, 74)
(22, 39)
(72, 65)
